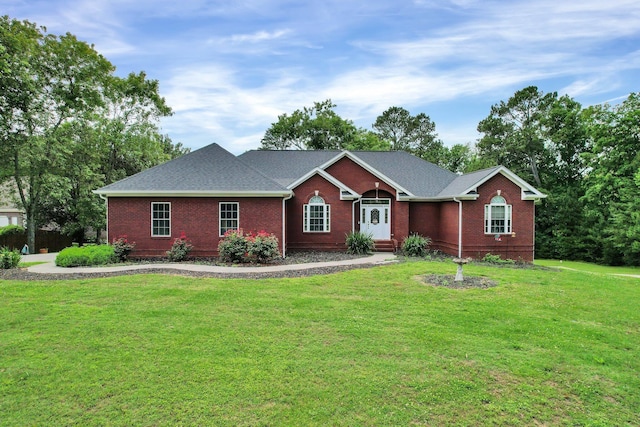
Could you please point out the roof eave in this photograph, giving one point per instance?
(439, 198)
(161, 193)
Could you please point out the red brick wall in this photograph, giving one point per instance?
(424, 219)
(363, 182)
(477, 244)
(197, 217)
(340, 217)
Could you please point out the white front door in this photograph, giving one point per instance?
(375, 218)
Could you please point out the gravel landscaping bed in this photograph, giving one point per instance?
(292, 258)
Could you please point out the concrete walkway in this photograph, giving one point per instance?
(50, 268)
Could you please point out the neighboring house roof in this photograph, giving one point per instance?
(209, 171)
(8, 196)
(213, 171)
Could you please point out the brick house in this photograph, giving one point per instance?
(311, 199)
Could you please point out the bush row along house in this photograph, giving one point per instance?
(310, 200)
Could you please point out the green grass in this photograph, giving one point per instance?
(30, 264)
(364, 347)
(588, 267)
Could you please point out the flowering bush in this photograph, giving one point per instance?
(122, 248)
(233, 247)
(239, 247)
(263, 247)
(180, 249)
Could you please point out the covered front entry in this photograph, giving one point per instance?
(375, 218)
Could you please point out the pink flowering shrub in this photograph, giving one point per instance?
(122, 248)
(263, 247)
(180, 249)
(238, 247)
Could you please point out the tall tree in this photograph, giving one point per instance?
(560, 216)
(514, 134)
(414, 134)
(122, 138)
(312, 128)
(49, 81)
(68, 125)
(613, 182)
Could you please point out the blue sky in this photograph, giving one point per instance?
(229, 68)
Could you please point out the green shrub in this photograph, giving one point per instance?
(233, 246)
(359, 243)
(263, 247)
(8, 230)
(416, 245)
(497, 259)
(122, 248)
(237, 247)
(86, 256)
(9, 258)
(180, 249)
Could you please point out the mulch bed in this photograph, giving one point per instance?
(448, 281)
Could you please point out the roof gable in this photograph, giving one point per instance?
(346, 193)
(466, 186)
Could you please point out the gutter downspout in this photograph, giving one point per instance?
(284, 227)
(455, 199)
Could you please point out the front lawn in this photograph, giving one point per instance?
(364, 347)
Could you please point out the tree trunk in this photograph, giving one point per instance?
(535, 172)
(31, 230)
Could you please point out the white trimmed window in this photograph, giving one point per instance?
(229, 216)
(316, 218)
(497, 216)
(160, 219)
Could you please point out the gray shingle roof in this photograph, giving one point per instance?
(286, 166)
(212, 170)
(421, 178)
(209, 169)
(462, 183)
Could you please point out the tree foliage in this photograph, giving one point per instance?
(612, 207)
(68, 125)
(413, 134)
(312, 128)
(513, 133)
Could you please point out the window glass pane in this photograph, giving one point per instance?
(229, 213)
(316, 218)
(160, 219)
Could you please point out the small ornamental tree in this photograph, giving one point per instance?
(180, 249)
